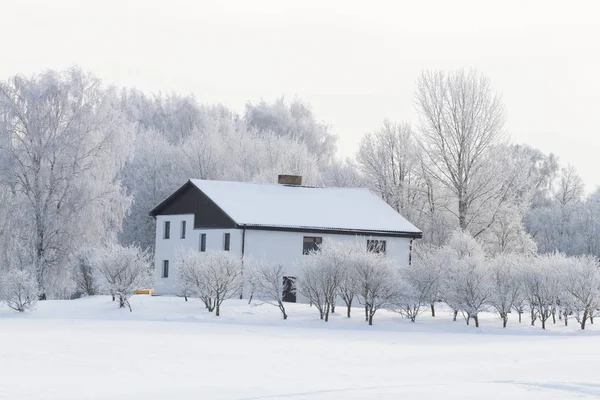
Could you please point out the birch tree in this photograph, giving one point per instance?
(64, 142)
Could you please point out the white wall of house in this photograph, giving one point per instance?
(277, 246)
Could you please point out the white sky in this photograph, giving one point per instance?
(355, 62)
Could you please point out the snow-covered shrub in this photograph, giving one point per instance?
(213, 276)
(267, 282)
(19, 289)
(82, 269)
(122, 270)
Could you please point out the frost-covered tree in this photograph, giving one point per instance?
(390, 160)
(19, 290)
(63, 143)
(462, 122)
(82, 265)
(506, 285)
(580, 283)
(419, 283)
(214, 276)
(295, 121)
(376, 282)
(267, 282)
(465, 285)
(123, 270)
(541, 282)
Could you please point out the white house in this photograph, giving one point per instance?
(272, 222)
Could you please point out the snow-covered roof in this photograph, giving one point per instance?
(289, 206)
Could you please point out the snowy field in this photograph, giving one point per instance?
(170, 349)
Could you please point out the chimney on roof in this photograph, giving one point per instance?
(289, 180)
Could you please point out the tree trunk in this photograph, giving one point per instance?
(366, 313)
(455, 314)
(520, 313)
(476, 318)
(592, 317)
(185, 297)
(432, 310)
(348, 309)
(333, 307)
(553, 316)
(584, 319)
(468, 318)
(327, 312)
(504, 320)
(370, 319)
(218, 310)
(533, 318)
(282, 308)
(543, 323)
(462, 210)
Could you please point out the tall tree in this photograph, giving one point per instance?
(63, 143)
(462, 121)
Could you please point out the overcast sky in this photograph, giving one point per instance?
(355, 62)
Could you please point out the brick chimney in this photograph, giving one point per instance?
(289, 180)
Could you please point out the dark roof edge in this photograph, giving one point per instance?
(154, 212)
(412, 235)
(156, 209)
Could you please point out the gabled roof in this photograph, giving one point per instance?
(304, 208)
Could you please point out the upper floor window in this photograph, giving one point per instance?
(203, 242)
(183, 229)
(167, 230)
(226, 241)
(376, 246)
(311, 243)
(165, 271)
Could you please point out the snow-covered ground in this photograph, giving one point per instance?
(170, 349)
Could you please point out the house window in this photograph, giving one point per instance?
(203, 242)
(376, 246)
(167, 230)
(165, 271)
(183, 229)
(311, 243)
(226, 242)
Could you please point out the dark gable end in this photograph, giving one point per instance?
(188, 199)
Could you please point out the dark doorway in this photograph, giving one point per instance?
(289, 289)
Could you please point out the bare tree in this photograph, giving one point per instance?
(506, 285)
(461, 122)
(376, 282)
(214, 275)
(268, 284)
(542, 286)
(580, 281)
(124, 270)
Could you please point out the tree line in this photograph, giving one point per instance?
(81, 163)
